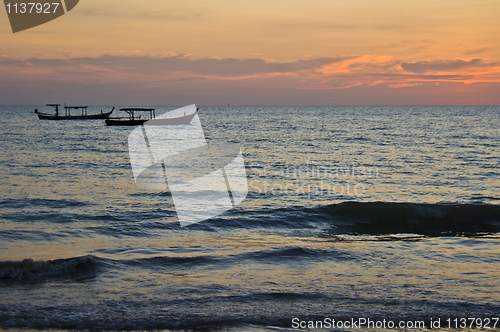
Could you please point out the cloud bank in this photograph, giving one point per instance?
(436, 66)
(310, 81)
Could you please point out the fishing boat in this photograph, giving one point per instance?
(68, 116)
(134, 119)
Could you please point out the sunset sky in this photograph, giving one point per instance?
(273, 52)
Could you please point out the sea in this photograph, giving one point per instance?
(356, 219)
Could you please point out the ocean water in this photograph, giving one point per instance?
(381, 213)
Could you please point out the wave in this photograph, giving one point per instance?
(39, 271)
(42, 202)
(251, 311)
(381, 218)
(368, 218)
(280, 255)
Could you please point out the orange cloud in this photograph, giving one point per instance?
(403, 85)
(466, 71)
(360, 64)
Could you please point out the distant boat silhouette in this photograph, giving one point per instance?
(67, 113)
(133, 120)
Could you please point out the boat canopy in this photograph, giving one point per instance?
(67, 109)
(75, 107)
(136, 109)
(131, 110)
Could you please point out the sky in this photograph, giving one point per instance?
(273, 52)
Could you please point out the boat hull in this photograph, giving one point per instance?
(118, 122)
(183, 120)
